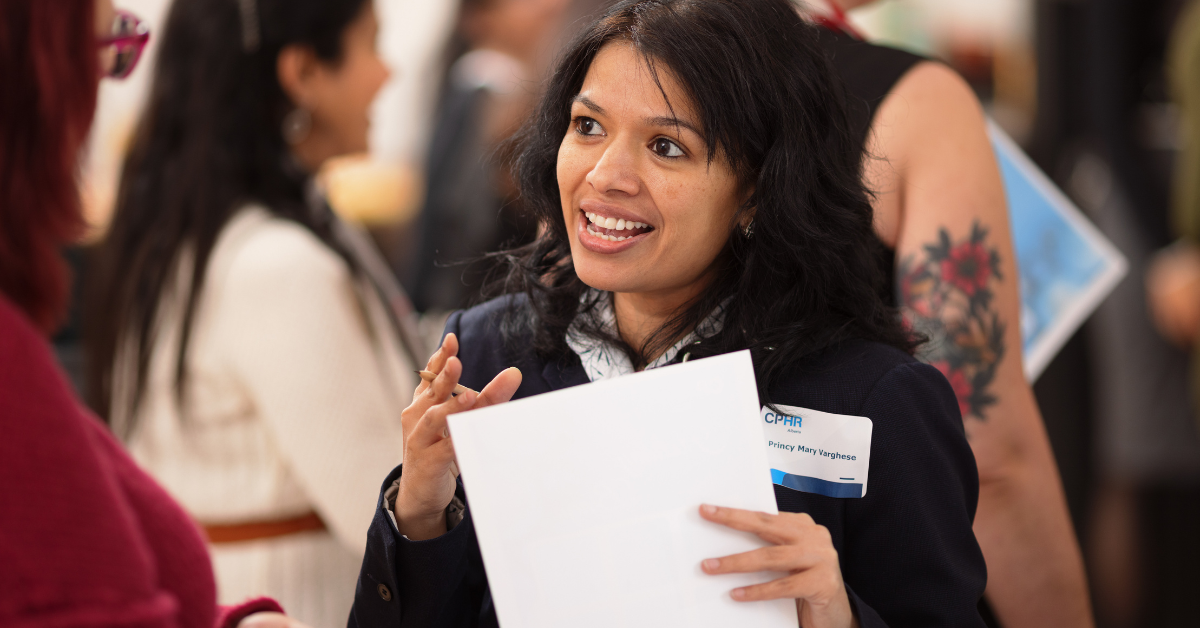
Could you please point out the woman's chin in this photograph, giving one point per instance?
(604, 280)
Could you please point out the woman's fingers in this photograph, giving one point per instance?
(807, 585)
(500, 389)
(777, 529)
(447, 378)
(437, 361)
(421, 400)
(448, 350)
(431, 426)
(801, 547)
(773, 558)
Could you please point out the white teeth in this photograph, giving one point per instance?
(605, 236)
(618, 224)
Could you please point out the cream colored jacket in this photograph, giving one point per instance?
(296, 382)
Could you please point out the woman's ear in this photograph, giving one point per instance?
(745, 224)
(296, 67)
(747, 211)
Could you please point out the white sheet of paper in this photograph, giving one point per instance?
(586, 500)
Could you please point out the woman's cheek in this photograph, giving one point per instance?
(572, 166)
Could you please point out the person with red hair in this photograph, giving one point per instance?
(86, 538)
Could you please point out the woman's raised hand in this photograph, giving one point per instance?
(427, 483)
(801, 548)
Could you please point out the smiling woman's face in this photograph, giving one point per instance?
(645, 211)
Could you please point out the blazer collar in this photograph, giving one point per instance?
(565, 372)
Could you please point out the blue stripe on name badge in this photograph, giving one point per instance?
(806, 484)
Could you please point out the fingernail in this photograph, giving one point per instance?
(711, 564)
(464, 399)
(708, 509)
(738, 594)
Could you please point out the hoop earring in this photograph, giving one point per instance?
(296, 125)
(748, 230)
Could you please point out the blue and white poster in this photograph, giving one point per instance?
(1067, 266)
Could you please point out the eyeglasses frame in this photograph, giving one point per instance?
(138, 39)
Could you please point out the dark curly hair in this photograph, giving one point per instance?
(771, 107)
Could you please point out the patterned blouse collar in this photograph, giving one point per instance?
(602, 360)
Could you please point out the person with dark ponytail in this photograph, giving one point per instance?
(699, 188)
(252, 350)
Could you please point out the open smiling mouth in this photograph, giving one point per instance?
(614, 229)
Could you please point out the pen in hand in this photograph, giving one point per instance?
(459, 389)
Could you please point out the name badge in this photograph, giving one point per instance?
(818, 452)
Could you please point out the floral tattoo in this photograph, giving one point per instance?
(947, 296)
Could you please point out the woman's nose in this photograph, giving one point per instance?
(616, 171)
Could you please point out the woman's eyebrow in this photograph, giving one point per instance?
(589, 103)
(672, 122)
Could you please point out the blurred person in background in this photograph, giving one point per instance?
(247, 345)
(941, 213)
(1107, 131)
(86, 537)
(1174, 281)
(496, 56)
(1169, 511)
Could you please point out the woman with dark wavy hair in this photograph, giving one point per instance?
(700, 192)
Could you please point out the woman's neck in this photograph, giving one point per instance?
(314, 151)
(640, 314)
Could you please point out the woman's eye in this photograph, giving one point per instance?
(588, 126)
(664, 147)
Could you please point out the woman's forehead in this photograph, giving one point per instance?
(622, 82)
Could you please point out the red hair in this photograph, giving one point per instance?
(49, 74)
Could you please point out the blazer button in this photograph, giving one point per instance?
(385, 593)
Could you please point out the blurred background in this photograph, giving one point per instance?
(1081, 85)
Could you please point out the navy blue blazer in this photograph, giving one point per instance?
(907, 551)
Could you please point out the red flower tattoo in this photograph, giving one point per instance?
(946, 296)
(968, 267)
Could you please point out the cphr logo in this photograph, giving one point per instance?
(785, 419)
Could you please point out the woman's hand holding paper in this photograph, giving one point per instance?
(427, 484)
(803, 549)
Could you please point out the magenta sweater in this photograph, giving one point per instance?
(87, 538)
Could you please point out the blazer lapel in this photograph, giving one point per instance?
(564, 372)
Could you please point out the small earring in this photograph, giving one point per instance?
(748, 230)
(296, 125)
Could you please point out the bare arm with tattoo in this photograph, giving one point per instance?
(940, 204)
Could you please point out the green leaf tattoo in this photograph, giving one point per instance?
(947, 296)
